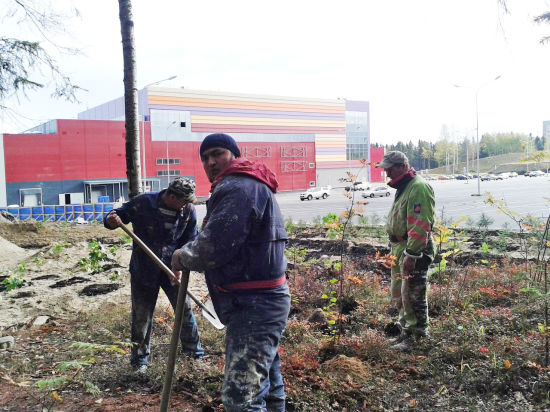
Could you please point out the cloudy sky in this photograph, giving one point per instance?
(404, 57)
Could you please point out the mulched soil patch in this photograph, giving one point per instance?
(99, 289)
(44, 277)
(72, 281)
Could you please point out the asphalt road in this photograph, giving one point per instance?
(454, 200)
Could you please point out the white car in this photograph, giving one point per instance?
(379, 191)
(536, 173)
(315, 192)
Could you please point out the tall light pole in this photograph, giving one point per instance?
(167, 155)
(477, 129)
(142, 134)
(160, 81)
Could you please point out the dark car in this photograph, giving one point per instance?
(461, 177)
(357, 186)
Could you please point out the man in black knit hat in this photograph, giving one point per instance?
(241, 251)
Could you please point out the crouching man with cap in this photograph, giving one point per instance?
(164, 221)
(241, 250)
(409, 226)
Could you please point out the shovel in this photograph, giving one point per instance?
(167, 386)
(208, 312)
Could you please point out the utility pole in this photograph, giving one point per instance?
(477, 130)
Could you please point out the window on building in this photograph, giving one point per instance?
(172, 161)
(165, 172)
(357, 139)
(356, 152)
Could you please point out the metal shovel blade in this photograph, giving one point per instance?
(211, 315)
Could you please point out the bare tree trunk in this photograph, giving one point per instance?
(133, 165)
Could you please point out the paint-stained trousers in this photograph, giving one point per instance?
(252, 379)
(409, 293)
(144, 299)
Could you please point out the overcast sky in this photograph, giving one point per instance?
(402, 56)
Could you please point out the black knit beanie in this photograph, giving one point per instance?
(220, 140)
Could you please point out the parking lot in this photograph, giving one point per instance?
(454, 200)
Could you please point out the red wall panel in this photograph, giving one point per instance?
(81, 150)
(88, 150)
(376, 155)
(31, 157)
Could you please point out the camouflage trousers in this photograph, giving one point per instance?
(409, 295)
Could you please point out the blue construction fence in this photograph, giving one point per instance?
(88, 212)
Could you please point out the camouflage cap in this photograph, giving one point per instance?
(183, 187)
(393, 158)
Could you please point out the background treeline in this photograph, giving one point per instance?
(428, 155)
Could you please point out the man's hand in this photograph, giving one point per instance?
(176, 266)
(175, 277)
(408, 264)
(113, 220)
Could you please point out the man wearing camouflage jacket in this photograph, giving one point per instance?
(409, 226)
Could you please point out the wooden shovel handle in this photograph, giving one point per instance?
(148, 251)
(161, 264)
(170, 366)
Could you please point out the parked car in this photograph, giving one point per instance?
(443, 177)
(461, 177)
(488, 176)
(315, 192)
(536, 173)
(357, 186)
(512, 174)
(379, 191)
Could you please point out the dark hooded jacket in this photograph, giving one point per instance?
(241, 245)
(162, 229)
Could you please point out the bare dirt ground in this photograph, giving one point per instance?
(59, 291)
(55, 285)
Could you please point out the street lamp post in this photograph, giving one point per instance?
(142, 134)
(167, 155)
(160, 81)
(477, 131)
